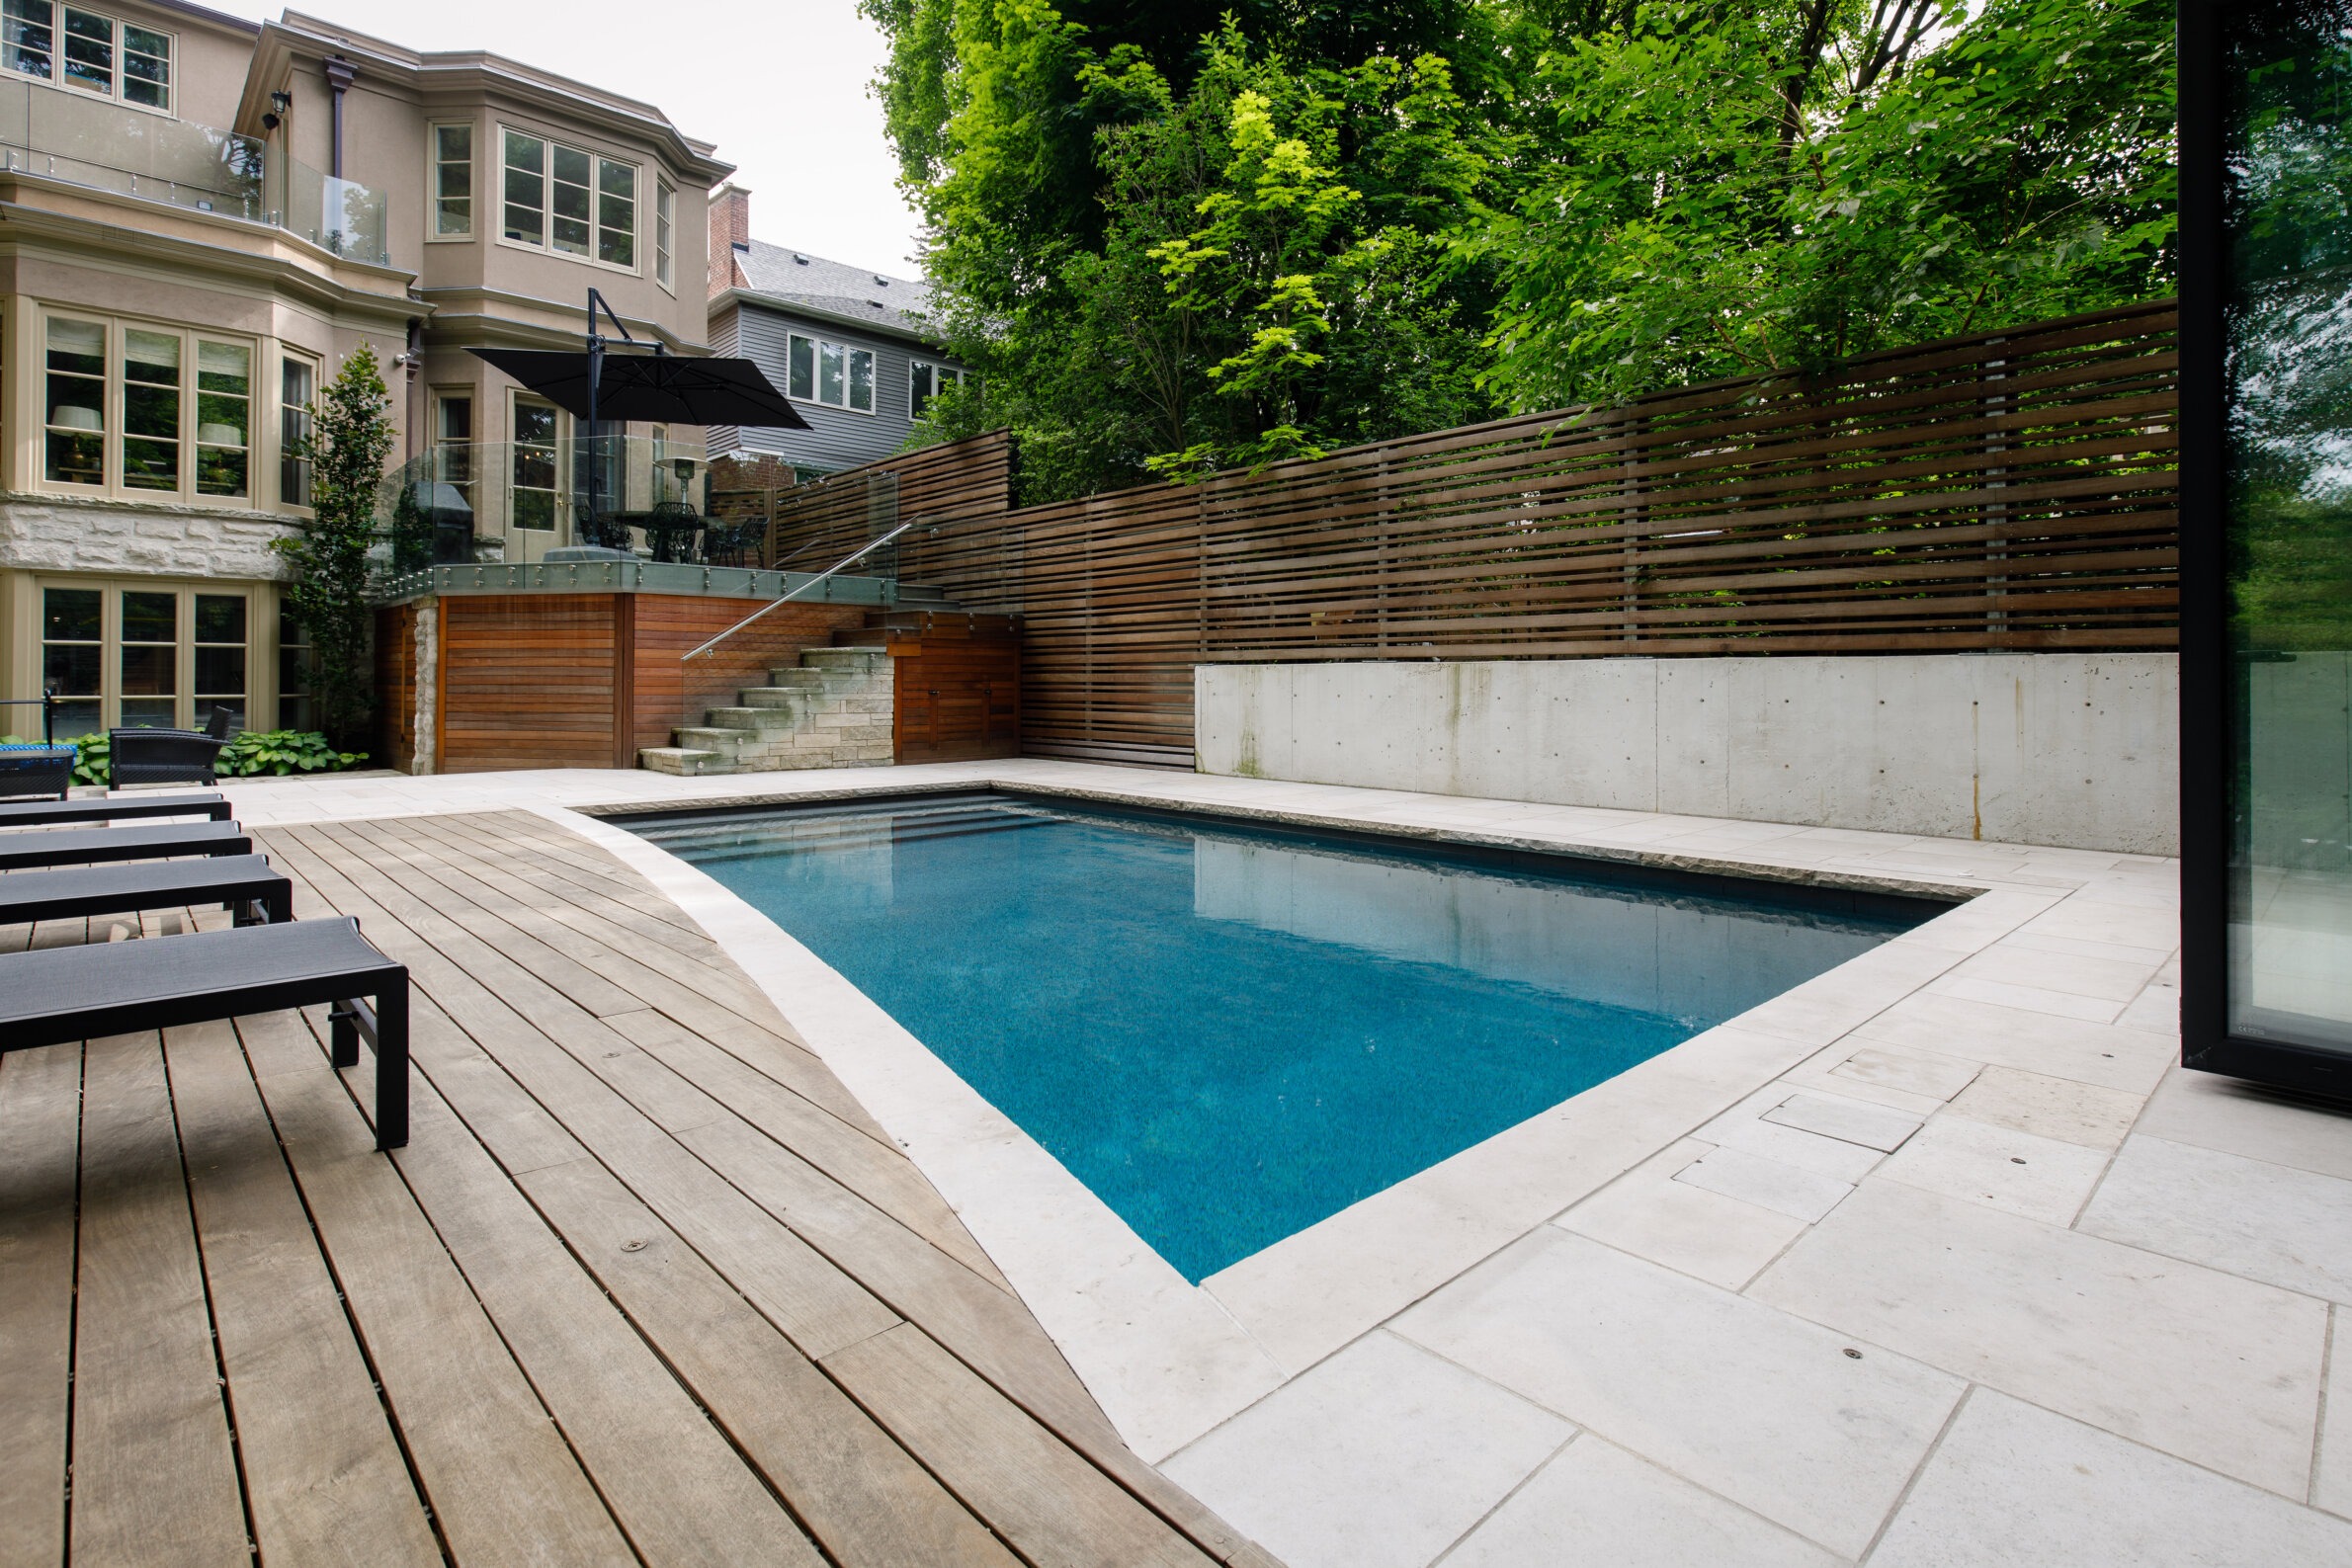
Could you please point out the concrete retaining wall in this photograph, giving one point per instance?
(2037, 748)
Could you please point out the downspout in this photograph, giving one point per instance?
(341, 73)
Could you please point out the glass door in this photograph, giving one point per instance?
(2267, 541)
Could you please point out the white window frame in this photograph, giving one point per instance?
(288, 416)
(937, 370)
(558, 525)
(261, 396)
(665, 233)
(546, 244)
(117, 48)
(849, 353)
(186, 712)
(434, 164)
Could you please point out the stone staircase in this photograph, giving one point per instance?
(832, 710)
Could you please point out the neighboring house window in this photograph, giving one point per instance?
(573, 202)
(87, 50)
(531, 481)
(830, 373)
(140, 654)
(665, 203)
(298, 382)
(145, 410)
(926, 380)
(453, 182)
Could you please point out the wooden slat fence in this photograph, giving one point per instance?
(2005, 491)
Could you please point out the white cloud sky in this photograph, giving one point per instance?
(781, 87)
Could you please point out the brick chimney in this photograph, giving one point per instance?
(730, 227)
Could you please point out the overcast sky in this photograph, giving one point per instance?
(779, 85)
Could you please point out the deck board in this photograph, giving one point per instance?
(646, 1287)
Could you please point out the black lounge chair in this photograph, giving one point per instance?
(91, 846)
(49, 813)
(62, 994)
(37, 770)
(167, 756)
(245, 883)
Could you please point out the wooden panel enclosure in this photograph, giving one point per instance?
(395, 687)
(958, 689)
(2011, 490)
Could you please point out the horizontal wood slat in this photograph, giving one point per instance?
(2003, 491)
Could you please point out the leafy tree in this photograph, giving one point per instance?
(350, 438)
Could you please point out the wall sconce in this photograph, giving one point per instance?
(281, 105)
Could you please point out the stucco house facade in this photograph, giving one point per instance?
(849, 346)
(201, 219)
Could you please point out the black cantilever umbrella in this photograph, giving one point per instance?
(664, 388)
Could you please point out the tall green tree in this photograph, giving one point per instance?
(349, 436)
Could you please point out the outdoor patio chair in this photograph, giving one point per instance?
(167, 756)
(605, 531)
(97, 846)
(47, 813)
(63, 994)
(37, 770)
(244, 884)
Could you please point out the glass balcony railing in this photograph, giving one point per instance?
(91, 141)
(512, 502)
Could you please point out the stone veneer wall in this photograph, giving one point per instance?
(70, 534)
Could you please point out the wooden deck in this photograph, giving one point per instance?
(646, 1287)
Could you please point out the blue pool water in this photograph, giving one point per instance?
(1228, 1035)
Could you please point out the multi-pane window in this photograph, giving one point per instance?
(926, 380)
(145, 409)
(148, 651)
(818, 371)
(665, 207)
(145, 656)
(298, 382)
(220, 656)
(453, 442)
(88, 50)
(568, 201)
(72, 657)
(531, 489)
(296, 709)
(453, 182)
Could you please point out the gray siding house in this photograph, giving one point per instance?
(842, 342)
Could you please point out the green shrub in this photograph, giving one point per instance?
(254, 752)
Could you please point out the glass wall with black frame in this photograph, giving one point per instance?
(2267, 534)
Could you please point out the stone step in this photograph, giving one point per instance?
(794, 675)
(780, 697)
(686, 762)
(709, 737)
(858, 660)
(751, 720)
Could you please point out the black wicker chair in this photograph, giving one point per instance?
(167, 756)
(41, 768)
(604, 532)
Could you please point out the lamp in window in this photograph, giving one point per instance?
(74, 416)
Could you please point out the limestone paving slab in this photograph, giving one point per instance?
(2251, 1217)
(1598, 1504)
(1766, 1182)
(1755, 1404)
(2012, 1485)
(2052, 1108)
(1378, 1457)
(1921, 1073)
(1683, 1226)
(2021, 1173)
(1851, 1121)
(2216, 1370)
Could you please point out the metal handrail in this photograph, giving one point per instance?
(850, 560)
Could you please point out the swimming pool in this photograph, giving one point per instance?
(1230, 1033)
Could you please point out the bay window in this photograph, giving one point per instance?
(833, 373)
(573, 202)
(145, 410)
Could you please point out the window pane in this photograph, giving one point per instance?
(152, 356)
(70, 669)
(77, 346)
(665, 202)
(860, 380)
(828, 374)
(26, 40)
(223, 372)
(568, 202)
(803, 374)
(294, 425)
(220, 672)
(148, 669)
(224, 367)
(71, 615)
(150, 410)
(89, 52)
(919, 375)
(150, 616)
(221, 617)
(526, 188)
(146, 68)
(532, 475)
